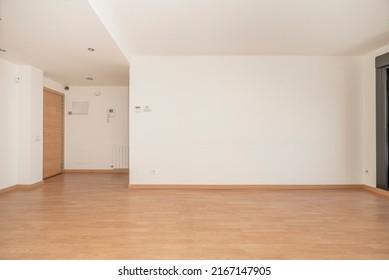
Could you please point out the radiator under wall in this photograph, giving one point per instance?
(120, 157)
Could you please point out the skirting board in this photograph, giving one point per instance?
(376, 190)
(121, 171)
(21, 187)
(250, 187)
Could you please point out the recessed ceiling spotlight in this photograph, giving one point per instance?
(89, 78)
(3, 50)
(91, 49)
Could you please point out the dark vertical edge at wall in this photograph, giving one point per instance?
(384, 76)
(382, 63)
(380, 131)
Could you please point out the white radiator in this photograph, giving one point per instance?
(119, 157)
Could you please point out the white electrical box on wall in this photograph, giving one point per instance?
(80, 108)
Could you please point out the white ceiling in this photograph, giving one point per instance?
(246, 27)
(54, 35)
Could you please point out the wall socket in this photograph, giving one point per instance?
(153, 171)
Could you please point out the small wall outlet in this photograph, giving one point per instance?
(153, 171)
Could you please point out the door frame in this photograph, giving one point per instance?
(62, 132)
(382, 121)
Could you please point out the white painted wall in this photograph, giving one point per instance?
(53, 85)
(36, 125)
(8, 124)
(20, 124)
(246, 120)
(89, 139)
(369, 111)
(30, 125)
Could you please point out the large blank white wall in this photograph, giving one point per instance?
(246, 120)
(89, 139)
(8, 124)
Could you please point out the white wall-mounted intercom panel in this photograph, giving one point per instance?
(111, 113)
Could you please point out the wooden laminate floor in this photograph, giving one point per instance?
(95, 216)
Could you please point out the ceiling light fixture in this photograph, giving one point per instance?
(91, 49)
(89, 78)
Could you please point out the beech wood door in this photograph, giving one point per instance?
(52, 133)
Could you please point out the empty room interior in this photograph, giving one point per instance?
(208, 129)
